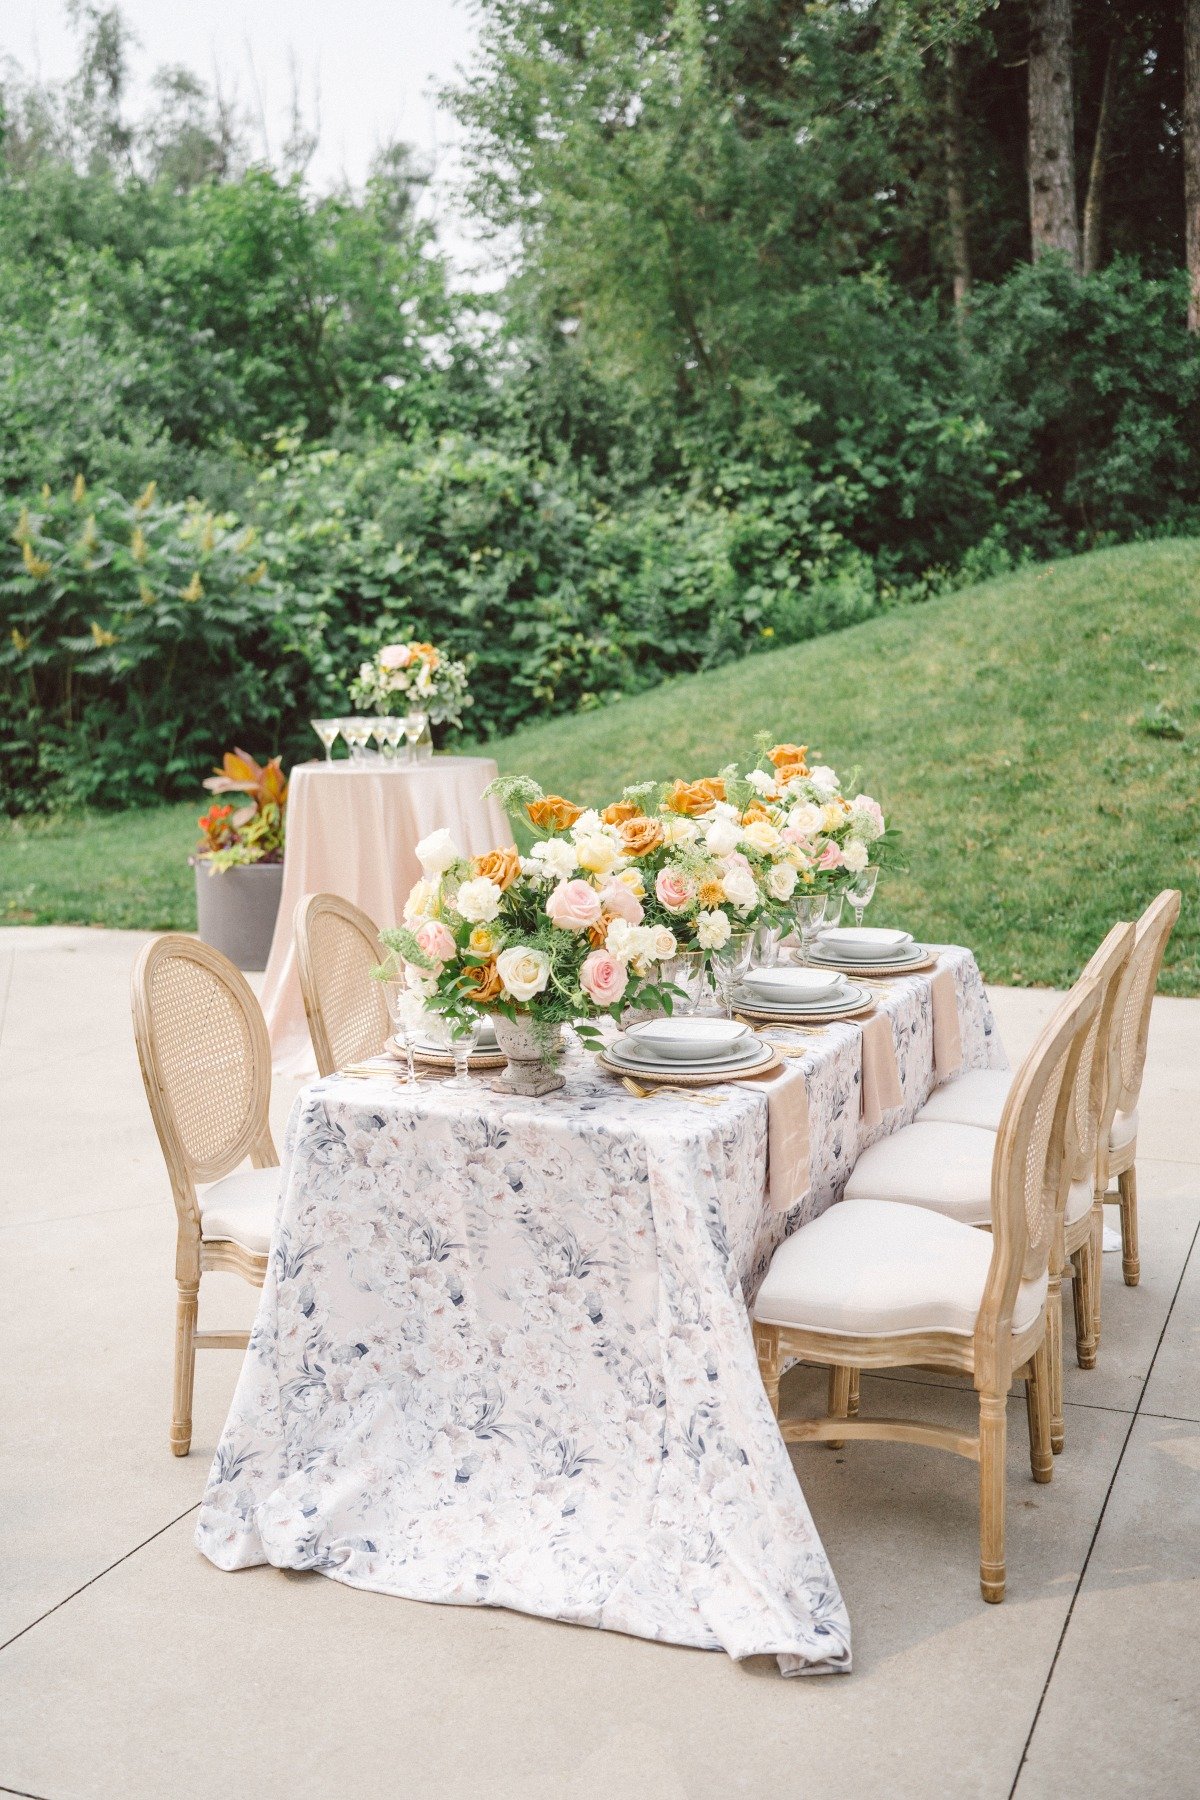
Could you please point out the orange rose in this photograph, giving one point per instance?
(620, 812)
(500, 866)
(553, 812)
(789, 759)
(695, 797)
(640, 836)
(427, 653)
(754, 812)
(599, 931)
(487, 985)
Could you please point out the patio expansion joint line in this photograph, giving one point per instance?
(1134, 1417)
(24, 1793)
(91, 1582)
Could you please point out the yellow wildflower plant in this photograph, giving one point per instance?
(194, 589)
(137, 545)
(79, 490)
(257, 574)
(19, 640)
(146, 593)
(22, 531)
(145, 499)
(35, 565)
(101, 638)
(208, 537)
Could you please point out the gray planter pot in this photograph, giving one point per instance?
(235, 910)
(534, 1055)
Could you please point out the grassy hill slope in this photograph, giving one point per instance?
(1037, 740)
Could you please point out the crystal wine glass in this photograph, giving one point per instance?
(406, 1010)
(460, 1039)
(393, 732)
(686, 971)
(730, 963)
(328, 731)
(810, 916)
(861, 891)
(767, 938)
(414, 726)
(833, 910)
(379, 733)
(357, 733)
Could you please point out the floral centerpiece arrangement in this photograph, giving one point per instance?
(413, 677)
(232, 837)
(835, 839)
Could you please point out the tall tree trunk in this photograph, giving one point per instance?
(1093, 210)
(1191, 154)
(956, 177)
(1053, 215)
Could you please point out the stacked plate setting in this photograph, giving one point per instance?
(795, 993)
(691, 1046)
(873, 947)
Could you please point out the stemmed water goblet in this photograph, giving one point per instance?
(393, 732)
(379, 733)
(327, 730)
(414, 727)
(460, 1039)
(861, 892)
(768, 935)
(357, 733)
(810, 916)
(729, 964)
(406, 1010)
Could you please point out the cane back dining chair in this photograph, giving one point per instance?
(206, 1064)
(875, 1284)
(337, 946)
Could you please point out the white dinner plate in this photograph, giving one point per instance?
(865, 943)
(848, 1000)
(802, 987)
(912, 953)
(688, 1040)
(622, 1052)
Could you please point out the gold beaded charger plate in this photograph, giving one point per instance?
(645, 1071)
(433, 1058)
(912, 965)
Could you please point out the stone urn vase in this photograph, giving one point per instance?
(236, 908)
(535, 1055)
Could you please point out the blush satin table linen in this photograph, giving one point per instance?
(353, 830)
(503, 1355)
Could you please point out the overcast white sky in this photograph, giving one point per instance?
(376, 65)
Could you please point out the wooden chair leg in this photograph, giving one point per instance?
(992, 1433)
(1131, 1267)
(1037, 1405)
(1054, 1363)
(185, 1367)
(766, 1344)
(1097, 1248)
(855, 1378)
(1083, 1296)
(839, 1400)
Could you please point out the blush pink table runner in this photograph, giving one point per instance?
(354, 831)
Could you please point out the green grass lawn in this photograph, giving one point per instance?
(1037, 740)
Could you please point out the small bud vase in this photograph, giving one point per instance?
(535, 1054)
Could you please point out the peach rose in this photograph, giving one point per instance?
(573, 906)
(436, 941)
(486, 986)
(427, 654)
(619, 812)
(395, 656)
(621, 901)
(830, 858)
(675, 889)
(501, 866)
(696, 797)
(790, 757)
(640, 836)
(754, 812)
(553, 813)
(602, 978)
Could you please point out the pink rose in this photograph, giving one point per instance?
(675, 889)
(603, 978)
(830, 858)
(436, 941)
(395, 656)
(737, 861)
(573, 906)
(621, 902)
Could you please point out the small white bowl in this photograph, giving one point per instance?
(688, 1040)
(865, 941)
(795, 984)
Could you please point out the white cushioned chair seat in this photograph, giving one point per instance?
(1079, 1200)
(976, 1098)
(870, 1268)
(942, 1166)
(241, 1207)
(1123, 1130)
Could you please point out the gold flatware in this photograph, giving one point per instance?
(665, 1090)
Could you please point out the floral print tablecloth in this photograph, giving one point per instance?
(503, 1355)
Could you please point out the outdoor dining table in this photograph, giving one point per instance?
(503, 1353)
(353, 830)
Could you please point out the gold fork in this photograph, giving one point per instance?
(665, 1090)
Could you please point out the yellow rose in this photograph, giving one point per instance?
(762, 835)
(832, 817)
(596, 854)
(632, 880)
(419, 904)
(481, 941)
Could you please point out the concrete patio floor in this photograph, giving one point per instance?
(130, 1667)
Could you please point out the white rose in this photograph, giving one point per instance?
(662, 943)
(805, 819)
(437, 852)
(597, 853)
(523, 971)
(556, 854)
(479, 900)
(420, 901)
(723, 837)
(723, 809)
(762, 835)
(761, 782)
(420, 982)
(632, 880)
(740, 888)
(712, 930)
(854, 855)
(781, 881)
(588, 822)
(824, 781)
(680, 831)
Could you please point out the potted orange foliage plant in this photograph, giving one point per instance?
(239, 859)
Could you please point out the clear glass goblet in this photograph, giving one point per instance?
(379, 733)
(393, 733)
(460, 1040)
(414, 727)
(810, 916)
(358, 737)
(861, 892)
(833, 910)
(687, 971)
(406, 1010)
(730, 963)
(328, 731)
(768, 936)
